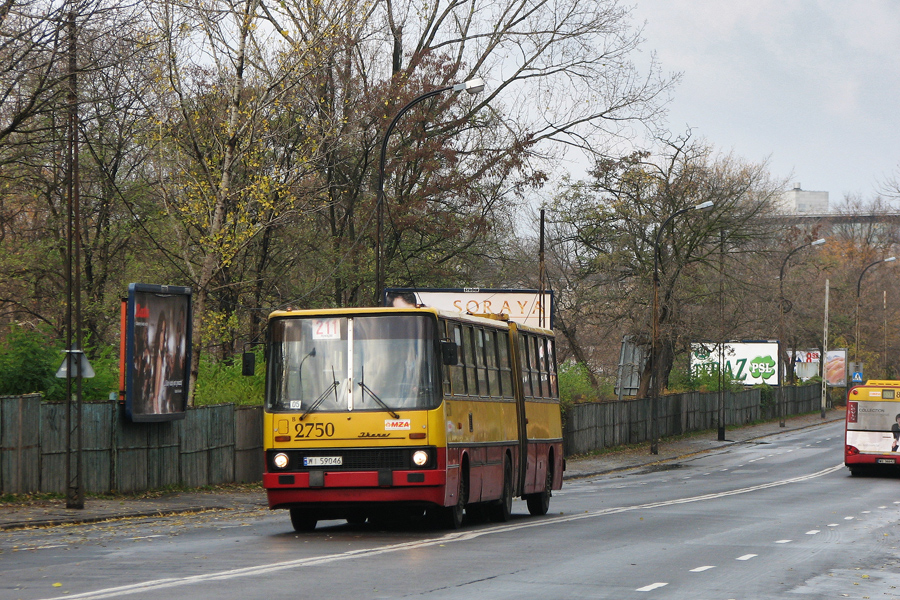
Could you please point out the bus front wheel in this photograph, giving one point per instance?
(453, 515)
(302, 520)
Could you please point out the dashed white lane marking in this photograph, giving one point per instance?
(848, 518)
(882, 507)
(461, 536)
(701, 569)
(40, 547)
(652, 586)
(746, 557)
(865, 512)
(813, 532)
(783, 541)
(833, 524)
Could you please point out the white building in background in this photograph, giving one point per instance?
(802, 202)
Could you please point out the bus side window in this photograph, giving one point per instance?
(457, 372)
(551, 368)
(536, 383)
(526, 365)
(505, 368)
(471, 361)
(490, 352)
(480, 364)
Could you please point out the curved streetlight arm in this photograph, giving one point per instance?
(781, 349)
(473, 86)
(877, 262)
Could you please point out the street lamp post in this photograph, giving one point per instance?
(781, 311)
(858, 285)
(654, 340)
(472, 86)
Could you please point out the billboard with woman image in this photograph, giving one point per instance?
(157, 351)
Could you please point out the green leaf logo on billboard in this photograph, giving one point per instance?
(762, 367)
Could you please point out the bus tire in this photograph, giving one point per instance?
(302, 520)
(539, 504)
(500, 510)
(453, 515)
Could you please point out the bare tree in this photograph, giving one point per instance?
(613, 224)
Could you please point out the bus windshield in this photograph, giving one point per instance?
(392, 365)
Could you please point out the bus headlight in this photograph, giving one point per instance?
(420, 458)
(280, 460)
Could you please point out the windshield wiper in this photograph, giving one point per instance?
(331, 388)
(378, 400)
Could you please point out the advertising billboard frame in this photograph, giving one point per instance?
(524, 305)
(158, 326)
(746, 360)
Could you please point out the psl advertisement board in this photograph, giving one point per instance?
(157, 352)
(749, 363)
(528, 307)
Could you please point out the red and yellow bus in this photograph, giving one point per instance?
(378, 411)
(872, 430)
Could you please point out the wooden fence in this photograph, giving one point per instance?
(211, 445)
(223, 443)
(596, 426)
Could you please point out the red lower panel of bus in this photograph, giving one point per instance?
(852, 456)
(359, 486)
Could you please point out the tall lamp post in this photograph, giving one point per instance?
(781, 311)
(858, 286)
(654, 340)
(473, 86)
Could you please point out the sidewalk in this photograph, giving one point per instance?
(45, 513)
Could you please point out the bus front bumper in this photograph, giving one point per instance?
(293, 489)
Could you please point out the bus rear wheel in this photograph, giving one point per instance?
(302, 520)
(539, 504)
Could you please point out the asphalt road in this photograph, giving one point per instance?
(780, 518)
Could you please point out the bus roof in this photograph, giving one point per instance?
(492, 320)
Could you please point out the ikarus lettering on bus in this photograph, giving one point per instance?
(397, 424)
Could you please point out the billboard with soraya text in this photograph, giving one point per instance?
(529, 307)
(157, 351)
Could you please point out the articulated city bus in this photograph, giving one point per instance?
(383, 411)
(872, 427)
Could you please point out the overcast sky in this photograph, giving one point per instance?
(812, 85)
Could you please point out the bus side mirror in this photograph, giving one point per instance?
(248, 366)
(449, 353)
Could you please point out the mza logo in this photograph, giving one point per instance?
(397, 424)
